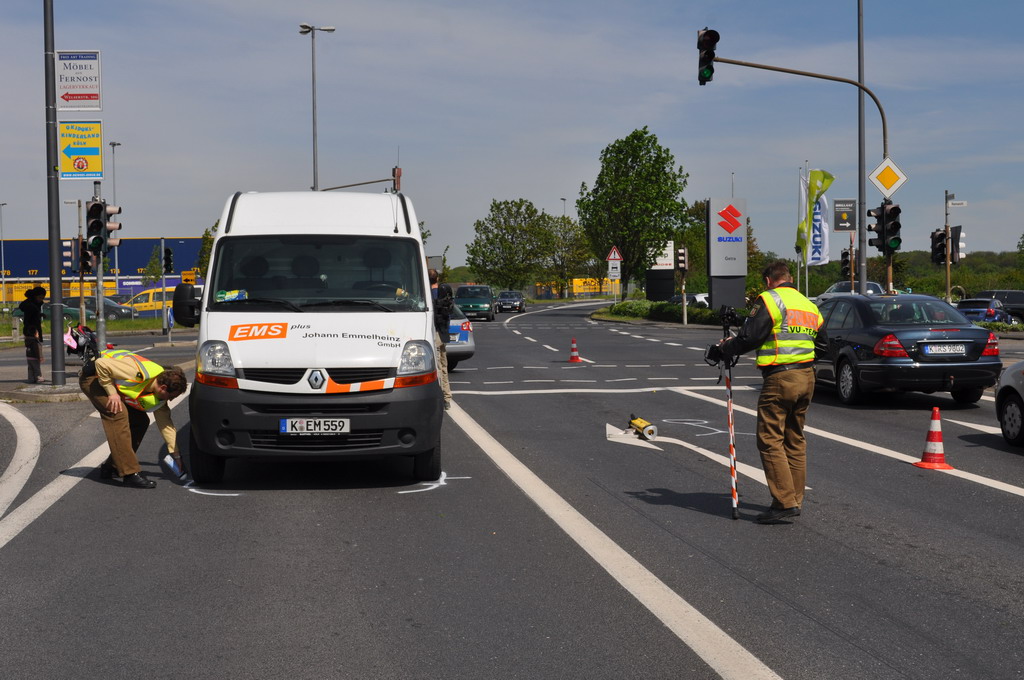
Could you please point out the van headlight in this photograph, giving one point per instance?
(417, 357)
(214, 358)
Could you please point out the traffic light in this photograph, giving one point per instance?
(706, 42)
(957, 247)
(846, 268)
(878, 227)
(109, 242)
(939, 246)
(95, 226)
(681, 260)
(168, 261)
(891, 228)
(85, 258)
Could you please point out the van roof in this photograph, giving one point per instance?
(319, 212)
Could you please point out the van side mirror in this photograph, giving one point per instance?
(185, 305)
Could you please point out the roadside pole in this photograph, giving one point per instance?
(101, 318)
(163, 293)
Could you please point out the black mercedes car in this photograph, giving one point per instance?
(908, 343)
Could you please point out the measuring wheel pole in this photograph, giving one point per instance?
(729, 363)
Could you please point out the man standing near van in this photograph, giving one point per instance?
(443, 301)
(125, 388)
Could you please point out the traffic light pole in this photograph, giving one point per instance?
(945, 203)
(101, 318)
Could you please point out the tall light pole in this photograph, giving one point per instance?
(113, 182)
(311, 30)
(3, 263)
(563, 207)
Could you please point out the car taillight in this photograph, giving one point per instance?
(990, 312)
(991, 347)
(467, 326)
(890, 346)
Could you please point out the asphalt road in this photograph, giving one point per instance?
(554, 548)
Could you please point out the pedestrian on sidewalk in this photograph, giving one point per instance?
(443, 304)
(125, 387)
(32, 310)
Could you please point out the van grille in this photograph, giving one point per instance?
(270, 439)
(313, 410)
(290, 376)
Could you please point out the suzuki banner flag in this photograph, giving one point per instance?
(817, 252)
(812, 187)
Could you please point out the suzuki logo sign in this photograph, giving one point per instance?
(727, 241)
(730, 218)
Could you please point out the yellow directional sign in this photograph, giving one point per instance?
(887, 177)
(188, 276)
(80, 148)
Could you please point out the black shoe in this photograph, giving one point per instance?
(108, 471)
(137, 481)
(776, 514)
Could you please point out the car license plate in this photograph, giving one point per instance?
(945, 348)
(314, 425)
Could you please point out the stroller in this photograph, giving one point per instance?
(81, 341)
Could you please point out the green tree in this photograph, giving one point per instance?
(636, 203)
(154, 268)
(206, 248)
(566, 250)
(507, 248)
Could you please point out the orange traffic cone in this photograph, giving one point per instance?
(574, 355)
(933, 457)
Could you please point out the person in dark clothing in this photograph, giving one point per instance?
(781, 326)
(32, 309)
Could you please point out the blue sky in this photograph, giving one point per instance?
(502, 100)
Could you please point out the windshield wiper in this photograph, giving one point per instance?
(347, 302)
(277, 301)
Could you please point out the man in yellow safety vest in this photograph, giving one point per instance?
(781, 326)
(125, 387)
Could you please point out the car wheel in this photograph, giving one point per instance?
(1011, 419)
(452, 363)
(846, 383)
(968, 395)
(204, 468)
(426, 466)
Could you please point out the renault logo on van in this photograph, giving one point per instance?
(316, 379)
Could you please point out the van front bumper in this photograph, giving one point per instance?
(246, 424)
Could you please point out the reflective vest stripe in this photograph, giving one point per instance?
(133, 390)
(795, 323)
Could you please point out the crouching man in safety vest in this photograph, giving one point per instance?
(782, 326)
(125, 387)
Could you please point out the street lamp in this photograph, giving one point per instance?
(3, 263)
(113, 182)
(563, 207)
(311, 30)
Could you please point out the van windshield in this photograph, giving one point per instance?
(318, 273)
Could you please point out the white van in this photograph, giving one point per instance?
(316, 335)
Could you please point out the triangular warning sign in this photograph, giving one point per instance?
(614, 254)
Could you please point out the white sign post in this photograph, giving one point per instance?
(78, 81)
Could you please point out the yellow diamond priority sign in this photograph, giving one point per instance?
(887, 177)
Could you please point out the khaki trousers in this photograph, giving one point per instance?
(781, 410)
(124, 430)
(442, 368)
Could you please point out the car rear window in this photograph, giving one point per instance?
(473, 291)
(973, 304)
(924, 312)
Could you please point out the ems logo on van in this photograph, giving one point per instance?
(258, 331)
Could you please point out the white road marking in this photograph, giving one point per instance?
(430, 486)
(987, 429)
(725, 655)
(497, 368)
(550, 348)
(539, 381)
(499, 382)
(673, 344)
(26, 454)
(529, 338)
(620, 379)
(865, 446)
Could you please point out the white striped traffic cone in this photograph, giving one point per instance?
(574, 355)
(933, 457)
